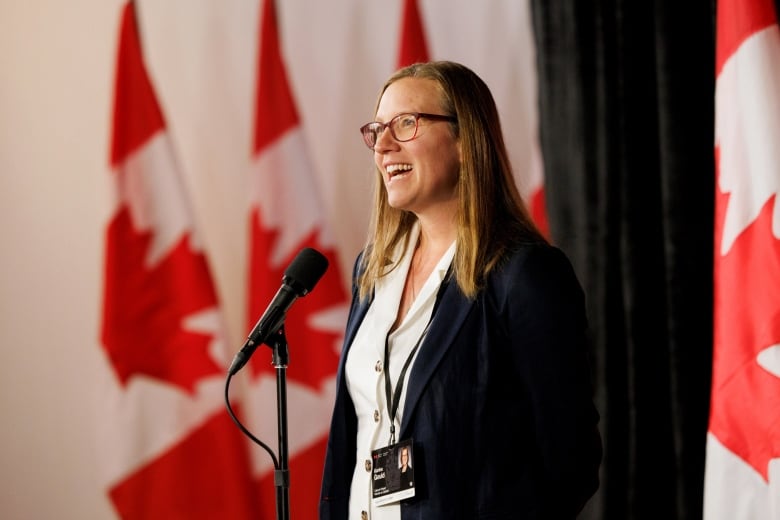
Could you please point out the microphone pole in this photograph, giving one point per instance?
(281, 359)
(299, 279)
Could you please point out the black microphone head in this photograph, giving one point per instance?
(305, 271)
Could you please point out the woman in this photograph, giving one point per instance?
(466, 335)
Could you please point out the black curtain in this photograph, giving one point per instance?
(626, 100)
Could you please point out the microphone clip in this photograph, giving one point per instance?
(278, 343)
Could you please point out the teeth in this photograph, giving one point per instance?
(396, 168)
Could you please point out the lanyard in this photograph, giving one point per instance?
(393, 398)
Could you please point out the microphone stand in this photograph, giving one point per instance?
(281, 358)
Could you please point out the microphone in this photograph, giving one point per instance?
(299, 279)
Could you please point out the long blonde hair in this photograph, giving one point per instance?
(492, 217)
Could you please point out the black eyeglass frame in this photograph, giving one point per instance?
(365, 130)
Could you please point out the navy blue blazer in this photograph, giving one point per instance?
(499, 401)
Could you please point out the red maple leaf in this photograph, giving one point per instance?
(313, 352)
(745, 413)
(144, 309)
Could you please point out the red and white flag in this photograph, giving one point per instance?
(413, 48)
(742, 475)
(286, 216)
(168, 449)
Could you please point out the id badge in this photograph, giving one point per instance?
(393, 473)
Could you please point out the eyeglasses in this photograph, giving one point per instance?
(403, 127)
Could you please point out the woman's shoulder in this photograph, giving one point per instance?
(534, 268)
(534, 256)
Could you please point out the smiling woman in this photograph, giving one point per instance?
(472, 324)
(431, 164)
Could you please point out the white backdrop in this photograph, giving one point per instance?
(57, 62)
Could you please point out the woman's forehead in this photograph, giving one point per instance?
(409, 95)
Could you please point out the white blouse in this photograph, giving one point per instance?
(365, 363)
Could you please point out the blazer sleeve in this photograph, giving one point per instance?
(545, 319)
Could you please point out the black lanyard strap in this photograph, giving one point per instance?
(393, 398)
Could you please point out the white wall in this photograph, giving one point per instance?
(57, 66)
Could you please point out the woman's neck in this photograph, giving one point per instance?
(435, 238)
(430, 247)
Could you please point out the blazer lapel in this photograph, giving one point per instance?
(452, 311)
(358, 313)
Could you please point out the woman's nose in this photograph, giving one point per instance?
(384, 140)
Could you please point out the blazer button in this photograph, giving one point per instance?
(363, 515)
(368, 465)
(376, 415)
(378, 366)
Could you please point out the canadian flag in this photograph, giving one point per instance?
(286, 216)
(414, 48)
(167, 447)
(742, 475)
